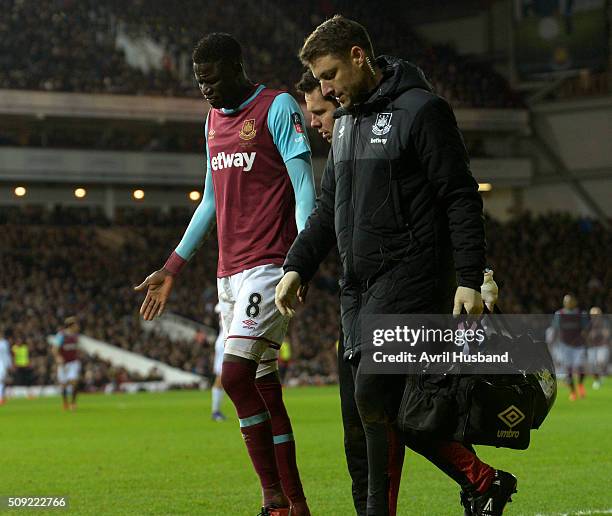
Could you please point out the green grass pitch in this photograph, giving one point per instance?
(161, 454)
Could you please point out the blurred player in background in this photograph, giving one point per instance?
(260, 187)
(598, 345)
(24, 375)
(6, 363)
(65, 347)
(568, 325)
(217, 388)
(284, 360)
(321, 111)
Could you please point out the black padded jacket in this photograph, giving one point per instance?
(399, 200)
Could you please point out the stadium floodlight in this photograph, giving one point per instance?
(80, 193)
(20, 191)
(138, 194)
(485, 187)
(194, 195)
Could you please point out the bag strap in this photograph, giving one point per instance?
(499, 323)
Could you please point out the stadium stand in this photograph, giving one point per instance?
(72, 260)
(585, 84)
(46, 41)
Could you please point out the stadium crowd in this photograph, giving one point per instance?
(74, 261)
(44, 42)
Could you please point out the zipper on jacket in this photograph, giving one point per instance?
(352, 350)
(351, 219)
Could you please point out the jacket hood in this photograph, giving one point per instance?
(399, 76)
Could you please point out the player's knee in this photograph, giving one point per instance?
(235, 375)
(229, 378)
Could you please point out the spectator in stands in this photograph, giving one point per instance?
(43, 46)
(41, 248)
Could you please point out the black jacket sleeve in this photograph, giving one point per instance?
(442, 152)
(318, 236)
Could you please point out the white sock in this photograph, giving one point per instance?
(1, 391)
(217, 396)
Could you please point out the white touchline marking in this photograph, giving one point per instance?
(593, 512)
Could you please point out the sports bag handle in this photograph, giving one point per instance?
(499, 323)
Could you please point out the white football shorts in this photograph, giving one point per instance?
(253, 326)
(68, 372)
(573, 357)
(599, 356)
(219, 349)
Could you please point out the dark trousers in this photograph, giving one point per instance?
(377, 398)
(356, 449)
(24, 376)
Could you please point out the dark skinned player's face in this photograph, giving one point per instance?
(217, 82)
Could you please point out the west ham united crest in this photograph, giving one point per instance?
(382, 124)
(248, 130)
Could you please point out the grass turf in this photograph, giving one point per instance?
(161, 454)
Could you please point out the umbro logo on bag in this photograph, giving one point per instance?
(511, 417)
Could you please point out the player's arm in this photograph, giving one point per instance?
(8, 358)
(56, 343)
(159, 284)
(198, 229)
(302, 180)
(312, 244)
(300, 173)
(556, 326)
(442, 151)
(605, 327)
(287, 127)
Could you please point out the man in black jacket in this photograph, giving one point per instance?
(321, 110)
(399, 200)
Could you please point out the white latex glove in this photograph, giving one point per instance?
(489, 290)
(468, 298)
(286, 293)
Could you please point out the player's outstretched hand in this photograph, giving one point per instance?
(489, 290)
(158, 285)
(286, 292)
(469, 299)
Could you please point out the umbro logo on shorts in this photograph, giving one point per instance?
(249, 324)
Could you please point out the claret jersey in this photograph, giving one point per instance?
(258, 166)
(247, 150)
